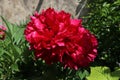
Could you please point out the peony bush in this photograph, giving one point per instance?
(52, 45)
(55, 37)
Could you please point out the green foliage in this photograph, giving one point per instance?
(104, 21)
(11, 50)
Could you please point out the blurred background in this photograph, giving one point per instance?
(18, 10)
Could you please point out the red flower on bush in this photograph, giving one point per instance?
(55, 37)
(2, 33)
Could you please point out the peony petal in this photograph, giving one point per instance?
(61, 43)
(76, 22)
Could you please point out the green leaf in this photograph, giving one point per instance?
(18, 35)
(103, 73)
(82, 73)
(86, 73)
(1, 52)
(14, 67)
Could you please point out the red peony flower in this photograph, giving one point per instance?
(2, 33)
(55, 37)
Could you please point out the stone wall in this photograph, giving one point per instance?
(18, 10)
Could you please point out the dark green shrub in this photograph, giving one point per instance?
(104, 21)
